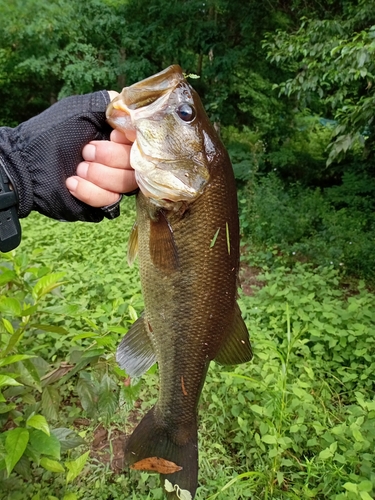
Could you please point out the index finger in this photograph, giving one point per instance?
(123, 136)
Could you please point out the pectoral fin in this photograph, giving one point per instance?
(133, 244)
(163, 250)
(135, 354)
(236, 348)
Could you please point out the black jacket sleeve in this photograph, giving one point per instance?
(42, 152)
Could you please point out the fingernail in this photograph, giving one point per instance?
(89, 152)
(82, 170)
(71, 183)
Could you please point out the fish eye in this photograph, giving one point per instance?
(186, 112)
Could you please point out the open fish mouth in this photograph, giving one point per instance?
(168, 154)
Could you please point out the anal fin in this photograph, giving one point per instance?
(236, 348)
(135, 354)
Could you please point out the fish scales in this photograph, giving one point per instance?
(188, 244)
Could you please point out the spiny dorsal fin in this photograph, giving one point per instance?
(163, 250)
(236, 348)
(135, 354)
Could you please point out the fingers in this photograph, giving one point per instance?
(125, 136)
(106, 171)
(90, 193)
(119, 180)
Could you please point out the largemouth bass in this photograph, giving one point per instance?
(187, 238)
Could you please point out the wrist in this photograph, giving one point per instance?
(10, 229)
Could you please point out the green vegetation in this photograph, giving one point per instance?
(297, 422)
(291, 86)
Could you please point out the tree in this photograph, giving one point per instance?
(333, 70)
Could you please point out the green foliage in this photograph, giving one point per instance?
(297, 422)
(332, 66)
(334, 226)
(300, 418)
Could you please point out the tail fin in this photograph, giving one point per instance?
(151, 447)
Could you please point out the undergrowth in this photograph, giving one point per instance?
(331, 226)
(297, 422)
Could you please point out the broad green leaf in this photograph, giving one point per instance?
(51, 465)
(29, 374)
(38, 422)
(15, 445)
(365, 496)
(50, 402)
(47, 283)
(44, 444)
(50, 328)
(5, 380)
(257, 409)
(66, 309)
(10, 306)
(365, 486)
(325, 454)
(87, 394)
(351, 487)
(70, 496)
(14, 359)
(269, 439)
(68, 438)
(108, 398)
(8, 326)
(7, 276)
(75, 467)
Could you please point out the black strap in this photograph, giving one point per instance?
(10, 228)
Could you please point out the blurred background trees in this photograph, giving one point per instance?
(291, 84)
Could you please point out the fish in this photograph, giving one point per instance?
(187, 238)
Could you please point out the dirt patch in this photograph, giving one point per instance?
(108, 445)
(249, 279)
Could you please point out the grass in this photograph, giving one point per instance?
(297, 422)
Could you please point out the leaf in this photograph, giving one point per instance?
(75, 467)
(51, 465)
(365, 486)
(6, 380)
(70, 496)
(14, 359)
(156, 464)
(50, 328)
(10, 306)
(66, 309)
(257, 409)
(325, 454)
(15, 445)
(269, 439)
(47, 283)
(44, 444)
(365, 496)
(68, 438)
(87, 394)
(108, 398)
(50, 402)
(351, 487)
(38, 422)
(8, 326)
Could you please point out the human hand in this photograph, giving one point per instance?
(106, 171)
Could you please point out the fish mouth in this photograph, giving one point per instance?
(147, 97)
(164, 179)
